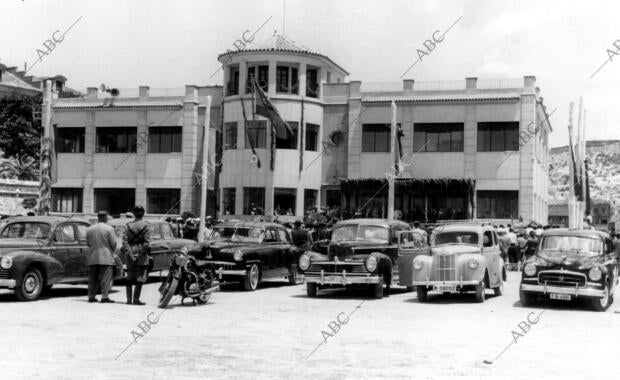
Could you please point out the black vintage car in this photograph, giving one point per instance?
(368, 252)
(571, 264)
(249, 252)
(37, 252)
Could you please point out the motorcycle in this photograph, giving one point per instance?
(189, 278)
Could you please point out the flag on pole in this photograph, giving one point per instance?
(265, 108)
(249, 136)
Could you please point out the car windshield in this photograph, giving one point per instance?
(557, 245)
(26, 230)
(357, 232)
(237, 234)
(456, 237)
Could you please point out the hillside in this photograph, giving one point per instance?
(604, 170)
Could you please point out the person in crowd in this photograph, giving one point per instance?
(300, 237)
(208, 227)
(532, 245)
(504, 243)
(101, 241)
(513, 248)
(616, 242)
(136, 248)
(521, 242)
(416, 228)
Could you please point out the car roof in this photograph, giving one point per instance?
(248, 224)
(46, 219)
(575, 232)
(373, 222)
(464, 227)
(124, 221)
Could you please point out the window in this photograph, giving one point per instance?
(287, 80)
(310, 197)
(165, 139)
(498, 136)
(284, 201)
(257, 132)
(116, 140)
(232, 87)
(283, 236)
(375, 138)
(312, 137)
(228, 200)
(82, 232)
(166, 232)
(312, 82)
(291, 141)
(66, 199)
(438, 137)
(261, 73)
(65, 234)
(26, 230)
(487, 240)
(163, 201)
(70, 140)
(497, 204)
(253, 200)
(115, 201)
(230, 135)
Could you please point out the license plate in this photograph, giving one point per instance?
(331, 278)
(444, 288)
(562, 297)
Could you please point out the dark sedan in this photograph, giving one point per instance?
(37, 252)
(572, 264)
(249, 252)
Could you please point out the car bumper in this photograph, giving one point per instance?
(7, 283)
(429, 283)
(544, 289)
(225, 268)
(340, 279)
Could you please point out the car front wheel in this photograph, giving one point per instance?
(527, 299)
(480, 292)
(377, 290)
(31, 287)
(422, 293)
(251, 278)
(601, 304)
(311, 289)
(500, 289)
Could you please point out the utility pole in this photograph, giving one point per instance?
(391, 175)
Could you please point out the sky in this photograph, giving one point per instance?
(168, 44)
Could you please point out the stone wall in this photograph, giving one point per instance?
(12, 194)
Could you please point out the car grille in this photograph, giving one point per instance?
(331, 268)
(561, 278)
(4, 273)
(446, 268)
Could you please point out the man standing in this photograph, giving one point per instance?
(102, 243)
(300, 237)
(136, 248)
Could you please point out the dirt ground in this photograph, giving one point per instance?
(269, 334)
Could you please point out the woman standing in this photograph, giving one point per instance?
(136, 249)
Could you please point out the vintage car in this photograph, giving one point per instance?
(249, 252)
(37, 252)
(464, 257)
(364, 252)
(164, 244)
(571, 264)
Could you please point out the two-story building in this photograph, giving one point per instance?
(470, 148)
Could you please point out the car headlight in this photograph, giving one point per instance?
(418, 265)
(529, 269)
(238, 256)
(304, 262)
(472, 264)
(595, 274)
(6, 262)
(371, 263)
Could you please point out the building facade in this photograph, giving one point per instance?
(470, 149)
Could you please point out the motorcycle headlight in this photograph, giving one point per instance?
(238, 256)
(595, 274)
(418, 265)
(184, 250)
(6, 262)
(529, 269)
(180, 260)
(371, 263)
(472, 264)
(304, 262)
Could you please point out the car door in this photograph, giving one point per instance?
(410, 245)
(66, 249)
(169, 245)
(158, 245)
(83, 245)
(270, 252)
(288, 251)
(491, 253)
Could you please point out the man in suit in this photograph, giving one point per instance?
(102, 243)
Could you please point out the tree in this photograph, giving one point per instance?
(21, 128)
(24, 168)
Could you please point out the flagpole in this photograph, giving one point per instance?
(205, 172)
(571, 170)
(391, 181)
